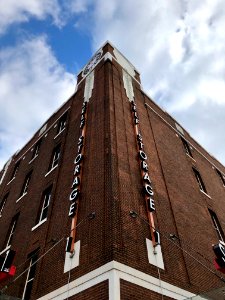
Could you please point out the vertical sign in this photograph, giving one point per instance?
(146, 180)
(77, 176)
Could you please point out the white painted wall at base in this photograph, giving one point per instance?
(114, 272)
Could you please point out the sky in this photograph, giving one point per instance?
(177, 46)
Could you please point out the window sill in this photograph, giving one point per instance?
(51, 170)
(205, 194)
(39, 224)
(59, 133)
(33, 159)
(11, 180)
(21, 197)
(190, 157)
(6, 249)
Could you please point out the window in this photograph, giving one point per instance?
(15, 170)
(30, 275)
(36, 149)
(25, 184)
(44, 205)
(11, 231)
(55, 158)
(200, 181)
(186, 147)
(62, 123)
(221, 176)
(3, 202)
(217, 225)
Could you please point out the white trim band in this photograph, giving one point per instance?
(114, 272)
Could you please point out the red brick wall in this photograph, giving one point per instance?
(99, 291)
(132, 291)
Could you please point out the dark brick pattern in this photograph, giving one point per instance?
(99, 291)
(132, 291)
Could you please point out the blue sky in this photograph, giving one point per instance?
(178, 47)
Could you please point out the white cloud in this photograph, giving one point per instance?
(78, 6)
(33, 85)
(179, 48)
(14, 11)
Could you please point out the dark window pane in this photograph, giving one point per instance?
(217, 225)
(15, 170)
(62, 123)
(36, 149)
(2, 204)
(11, 230)
(186, 147)
(28, 290)
(25, 184)
(32, 270)
(30, 277)
(55, 158)
(200, 181)
(221, 176)
(44, 213)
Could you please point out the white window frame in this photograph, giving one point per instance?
(55, 158)
(186, 147)
(15, 171)
(62, 123)
(25, 185)
(3, 203)
(45, 204)
(200, 181)
(217, 225)
(221, 176)
(36, 150)
(12, 230)
(27, 278)
(217, 228)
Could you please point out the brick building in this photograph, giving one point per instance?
(111, 199)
